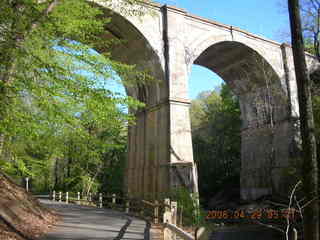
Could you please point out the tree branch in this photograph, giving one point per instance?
(289, 208)
(305, 205)
(270, 226)
(45, 13)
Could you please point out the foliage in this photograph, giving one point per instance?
(192, 213)
(58, 123)
(216, 140)
(309, 10)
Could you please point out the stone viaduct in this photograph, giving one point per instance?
(166, 41)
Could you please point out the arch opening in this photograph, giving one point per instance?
(216, 138)
(264, 113)
(142, 171)
(147, 142)
(133, 48)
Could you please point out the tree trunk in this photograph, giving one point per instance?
(309, 169)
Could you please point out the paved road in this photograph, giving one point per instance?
(88, 223)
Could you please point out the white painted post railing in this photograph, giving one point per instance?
(27, 184)
(113, 198)
(78, 198)
(90, 196)
(173, 209)
(166, 219)
(127, 206)
(170, 216)
(100, 200)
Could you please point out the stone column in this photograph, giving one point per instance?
(160, 148)
(181, 165)
(148, 153)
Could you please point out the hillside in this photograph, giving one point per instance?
(21, 215)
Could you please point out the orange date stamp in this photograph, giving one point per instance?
(254, 215)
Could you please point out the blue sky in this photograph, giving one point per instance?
(262, 17)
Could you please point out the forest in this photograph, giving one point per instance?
(60, 126)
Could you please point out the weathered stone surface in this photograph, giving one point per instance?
(166, 42)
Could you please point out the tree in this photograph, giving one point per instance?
(309, 165)
(50, 79)
(310, 23)
(310, 15)
(40, 58)
(216, 140)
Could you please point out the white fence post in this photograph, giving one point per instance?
(167, 219)
(27, 184)
(100, 200)
(174, 207)
(78, 198)
(53, 195)
(173, 211)
(127, 206)
(113, 198)
(60, 196)
(67, 197)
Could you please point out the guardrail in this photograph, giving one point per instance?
(165, 213)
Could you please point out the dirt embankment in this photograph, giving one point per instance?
(21, 215)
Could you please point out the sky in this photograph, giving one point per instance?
(267, 18)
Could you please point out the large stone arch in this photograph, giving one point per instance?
(148, 141)
(267, 131)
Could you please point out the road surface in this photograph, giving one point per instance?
(89, 223)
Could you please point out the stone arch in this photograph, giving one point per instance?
(264, 112)
(209, 40)
(135, 47)
(147, 141)
(244, 69)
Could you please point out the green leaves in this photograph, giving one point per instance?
(216, 138)
(56, 114)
